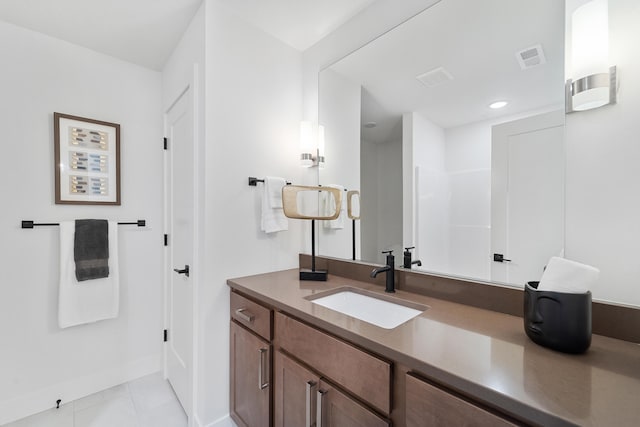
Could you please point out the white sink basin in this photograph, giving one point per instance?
(381, 310)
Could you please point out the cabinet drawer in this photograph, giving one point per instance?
(362, 374)
(428, 405)
(252, 315)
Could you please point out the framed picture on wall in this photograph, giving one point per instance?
(87, 161)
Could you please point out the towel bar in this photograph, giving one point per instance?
(253, 181)
(31, 224)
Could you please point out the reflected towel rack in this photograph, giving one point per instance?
(253, 181)
(345, 188)
(31, 224)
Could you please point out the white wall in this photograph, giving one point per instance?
(381, 169)
(340, 116)
(378, 18)
(389, 183)
(369, 203)
(426, 173)
(375, 20)
(253, 110)
(40, 362)
(468, 165)
(603, 154)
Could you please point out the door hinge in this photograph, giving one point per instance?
(165, 143)
(166, 336)
(166, 240)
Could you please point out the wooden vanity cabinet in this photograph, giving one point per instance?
(362, 396)
(323, 381)
(430, 405)
(250, 362)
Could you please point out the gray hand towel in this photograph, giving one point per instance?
(91, 249)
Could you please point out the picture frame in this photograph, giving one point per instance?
(87, 161)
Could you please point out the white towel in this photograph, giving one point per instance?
(563, 275)
(330, 208)
(273, 218)
(91, 300)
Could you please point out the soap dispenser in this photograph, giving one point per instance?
(407, 258)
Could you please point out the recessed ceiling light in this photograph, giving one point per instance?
(370, 125)
(498, 104)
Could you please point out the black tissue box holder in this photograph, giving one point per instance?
(558, 320)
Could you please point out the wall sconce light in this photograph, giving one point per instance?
(593, 83)
(311, 145)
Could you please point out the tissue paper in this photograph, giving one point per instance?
(563, 275)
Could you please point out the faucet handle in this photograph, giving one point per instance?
(409, 248)
(390, 252)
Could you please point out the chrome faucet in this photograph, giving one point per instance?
(390, 270)
(407, 258)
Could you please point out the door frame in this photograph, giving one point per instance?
(499, 211)
(195, 269)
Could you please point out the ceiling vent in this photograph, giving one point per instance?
(531, 57)
(435, 77)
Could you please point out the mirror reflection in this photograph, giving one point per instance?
(457, 147)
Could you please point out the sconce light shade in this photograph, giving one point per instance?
(592, 83)
(307, 145)
(311, 145)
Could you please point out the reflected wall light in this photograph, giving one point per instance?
(592, 81)
(311, 145)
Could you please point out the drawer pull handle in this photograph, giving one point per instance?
(261, 370)
(309, 418)
(244, 316)
(320, 395)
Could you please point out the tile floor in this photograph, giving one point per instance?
(145, 402)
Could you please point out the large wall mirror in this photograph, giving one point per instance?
(409, 122)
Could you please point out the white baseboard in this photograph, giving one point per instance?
(76, 388)
(225, 421)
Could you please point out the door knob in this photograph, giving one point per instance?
(185, 271)
(500, 258)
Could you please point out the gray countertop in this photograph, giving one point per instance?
(478, 352)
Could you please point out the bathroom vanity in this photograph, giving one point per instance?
(295, 363)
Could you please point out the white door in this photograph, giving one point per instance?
(179, 122)
(527, 196)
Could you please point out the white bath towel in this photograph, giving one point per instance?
(563, 275)
(273, 218)
(330, 208)
(91, 300)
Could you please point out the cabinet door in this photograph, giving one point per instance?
(428, 405)
(336, 409)
(250, 383)
(353, 369)
(294, 393)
